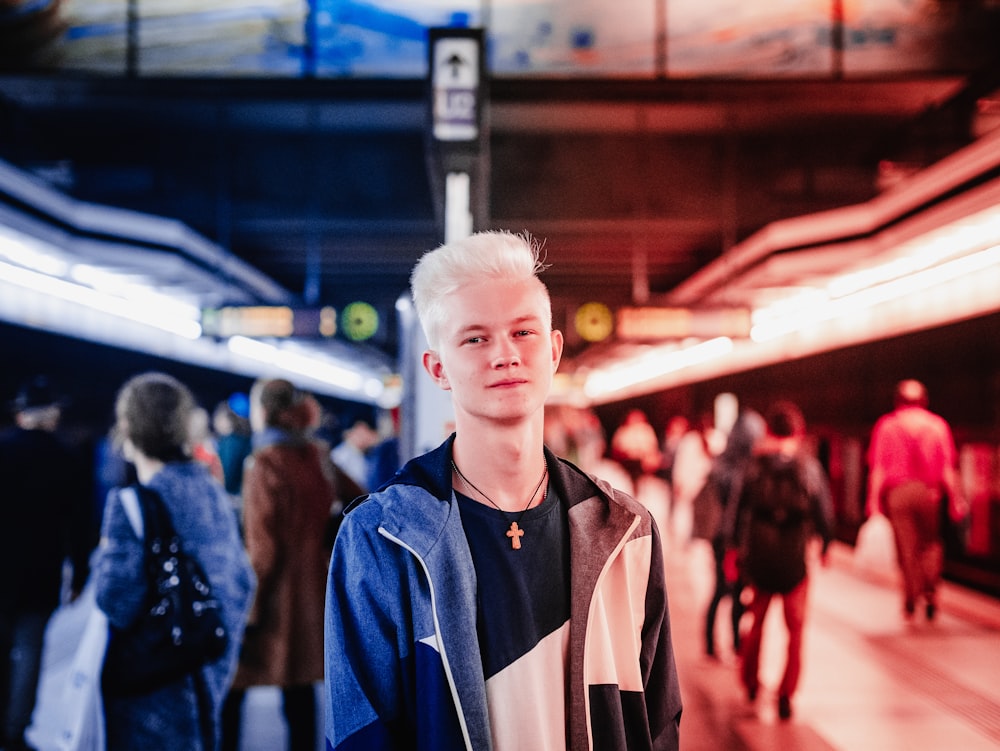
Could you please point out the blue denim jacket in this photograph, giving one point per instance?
(403, 666)
(205, 521)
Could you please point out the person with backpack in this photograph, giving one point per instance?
(784, 501)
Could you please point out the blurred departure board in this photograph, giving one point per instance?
(269, 321)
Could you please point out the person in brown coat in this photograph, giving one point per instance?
(288, 495)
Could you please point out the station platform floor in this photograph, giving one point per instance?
(871, 680)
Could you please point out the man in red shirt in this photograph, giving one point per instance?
(912, 461)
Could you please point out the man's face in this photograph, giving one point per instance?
(497, 352)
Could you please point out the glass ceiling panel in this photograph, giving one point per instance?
(526, 38)
(580, 38)
(737, 38)
(903, 36)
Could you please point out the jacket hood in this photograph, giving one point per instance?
(430, 471)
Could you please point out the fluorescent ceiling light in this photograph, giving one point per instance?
(925, 277)
(958, 238)
(75, 293)
(652, 364)
(306, 364)
(818, 310)
(42, 269)
(130, 287)
(24, 250)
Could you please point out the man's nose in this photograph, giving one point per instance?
(506, 355)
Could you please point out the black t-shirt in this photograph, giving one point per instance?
(523, 595)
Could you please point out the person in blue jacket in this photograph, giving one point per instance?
(492, 596)
(152, 412)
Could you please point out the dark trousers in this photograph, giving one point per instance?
(22, 636)
(915, 513)
(299, 706)
(723, 588)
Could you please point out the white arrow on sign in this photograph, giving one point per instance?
(456, 63)
(456, 83)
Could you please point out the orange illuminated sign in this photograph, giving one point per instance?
(654, 323)
(268, 321)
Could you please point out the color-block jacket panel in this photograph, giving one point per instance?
(402, 657)
(623, 678)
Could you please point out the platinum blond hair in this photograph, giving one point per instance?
(497, 254)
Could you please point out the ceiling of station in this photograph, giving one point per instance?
(325, 186)
(328, 187)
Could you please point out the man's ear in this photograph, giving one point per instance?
(557, 348)
(435, 369)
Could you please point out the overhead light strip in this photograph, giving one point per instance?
(40, 269)
(149, 314)
(829, 309)
(654, 364)
(961, 250)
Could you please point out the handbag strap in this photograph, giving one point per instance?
(146, 513)
(130, 502)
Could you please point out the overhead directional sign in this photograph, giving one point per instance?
(269, 321)
(455, 83)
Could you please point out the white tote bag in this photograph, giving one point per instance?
(875, 548)
(81, 725)
(82, 721)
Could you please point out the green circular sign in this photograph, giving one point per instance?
(359, 321)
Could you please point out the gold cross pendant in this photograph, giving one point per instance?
(515, 534)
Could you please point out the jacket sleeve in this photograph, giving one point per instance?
(364, 692)
(81, 535)
(119, 573)
(662, 689)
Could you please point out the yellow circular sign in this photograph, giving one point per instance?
(359, 321)
(594, 321)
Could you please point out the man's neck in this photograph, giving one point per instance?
(503, 462)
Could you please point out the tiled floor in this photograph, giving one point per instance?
(871, 681)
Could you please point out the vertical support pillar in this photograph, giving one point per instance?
(132, 39)
(457, 151)
(837, 38)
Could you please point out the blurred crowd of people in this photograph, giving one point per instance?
(713, 483)
(255, 489)
(257, 486)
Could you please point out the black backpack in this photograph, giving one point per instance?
(776, 524)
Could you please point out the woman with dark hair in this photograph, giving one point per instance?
(288, 494)
(152, 414)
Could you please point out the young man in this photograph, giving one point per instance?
(495, 596)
